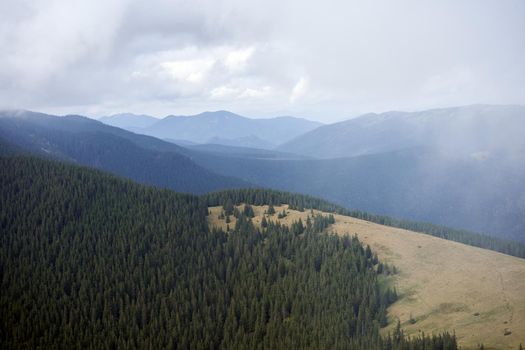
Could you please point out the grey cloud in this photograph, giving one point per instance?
(163, 57)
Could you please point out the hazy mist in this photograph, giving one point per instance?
(326, 61)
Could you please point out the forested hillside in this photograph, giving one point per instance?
(300, 202)
(443, 285)
(461, 167)
(482, 195)
(93, 261)
(85, 141)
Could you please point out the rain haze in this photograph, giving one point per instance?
(324, 61)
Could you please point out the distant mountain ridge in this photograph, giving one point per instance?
(418, 184)
(85, 141)
(129, 121)
(467, 130)
(250, 141)
(220, 127)
(462, 167)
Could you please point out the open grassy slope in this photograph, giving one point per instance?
(444, 285)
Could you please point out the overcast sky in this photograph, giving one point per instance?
(325, 60)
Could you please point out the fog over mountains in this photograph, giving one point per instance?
(478, 130)
(462, 167)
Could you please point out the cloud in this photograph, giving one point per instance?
(237, 59)
(192, 71)
(257, 93)
(299, 89)
(55, 35)
(228, 92)
(259, 58)
(222, 92)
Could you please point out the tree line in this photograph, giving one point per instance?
(302, 202)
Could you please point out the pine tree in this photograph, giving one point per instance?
(228, 207)
(131, 266)
(248, 211)
(236, 212)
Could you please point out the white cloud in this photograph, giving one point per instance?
(299, 89)
(257, 93)
(228, 92)
(192, 71)
(53, 35)
(260, 57)
(222, 92)
(236, 60)
(453, 82)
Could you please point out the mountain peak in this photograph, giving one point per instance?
(219, 114)
(229, 127)
(129, 121)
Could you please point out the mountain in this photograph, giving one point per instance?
(85, 141)
(479, 194)
(250, 141)
(205, 150)
(89, 260)
(477, 187)
(478, 130)
(129, 121)
(230, 129)
(460, 296)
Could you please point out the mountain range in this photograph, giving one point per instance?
(462, 167)
(477, 130)
(221, 127)
(129, 121)
(88, 142)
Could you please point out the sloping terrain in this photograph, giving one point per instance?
(478, 129)
(129, 121)
(203, 151)
(229, 128)
(88, 142)
(482, 195)
(91, 261)
(481, 192)
(461, 167)
(443, 285)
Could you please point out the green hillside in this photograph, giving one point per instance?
(93, 261)
(85, 141)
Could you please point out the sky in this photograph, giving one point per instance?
(323, 60)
